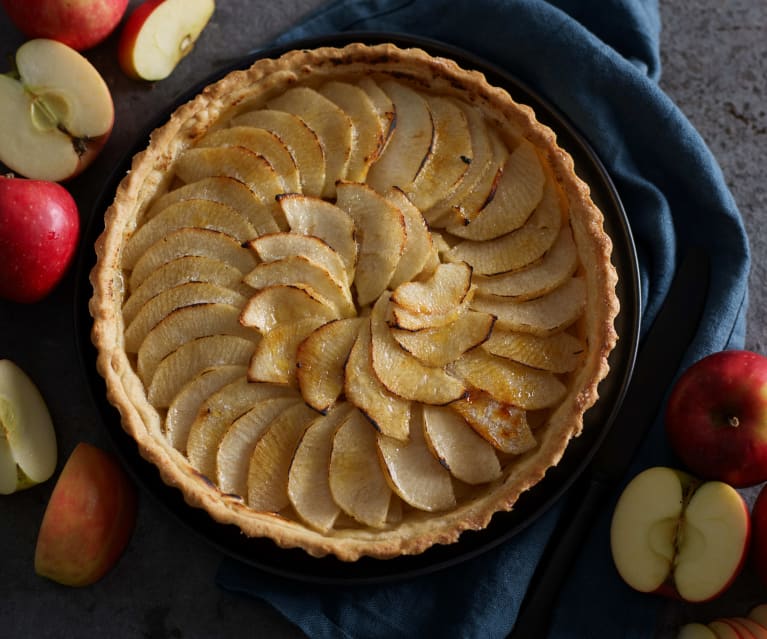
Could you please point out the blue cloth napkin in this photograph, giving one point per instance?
(599, 63)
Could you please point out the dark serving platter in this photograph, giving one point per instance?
(295, 563)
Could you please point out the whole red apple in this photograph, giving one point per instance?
(39, 229)
(81, 24)
(716, 418)
(89, 519)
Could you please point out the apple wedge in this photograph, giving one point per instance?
(383, 105)
(679, 536)
(159, 33)
(557, 353)
(418, 241)
(56, 112)
(445, 289)
(272, 306)
(28, 450)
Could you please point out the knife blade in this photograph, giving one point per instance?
(658, 359)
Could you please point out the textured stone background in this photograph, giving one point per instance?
(715, 66)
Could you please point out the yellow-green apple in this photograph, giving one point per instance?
(89, 518)
(716, 417)
(27, 438)
(81, 24)
(39, 229)
(56, 112)
(676, 535)
(159, 33)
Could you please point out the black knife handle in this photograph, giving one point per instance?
(574, 524)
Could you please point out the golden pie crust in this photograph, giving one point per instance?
(406, 529)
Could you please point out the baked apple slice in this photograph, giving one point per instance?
(443, 291)
(418, 243)
(274, 305)
(558, 353)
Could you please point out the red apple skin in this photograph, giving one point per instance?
(129, 34)
(759, 528)
(89, 519)
(39, 230)
(81, 24)
(716, 418)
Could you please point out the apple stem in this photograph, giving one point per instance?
(733, 421)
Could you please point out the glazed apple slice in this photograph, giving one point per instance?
(543, 276)
(190, 359)
(301, 141)
(158, 34)
(333, 127)
(274, 305)
(313, 216)
(418, 242)
(270, 461)
(56, 112)
(544, 315)
(320, 361)
(237, 443)
(368, 137)
(519, 191)
(190, 241)
(518, 248)
(465, 454)
(185, 406)
(381, 240)
(389, 413)
(444, 290)
(383, 105)
(264, 143)
(415, 321)
(413, 472)
(409, 143)
(309, 474)
(558, 353)
(28, 450)
(357, 482)
(203, 214)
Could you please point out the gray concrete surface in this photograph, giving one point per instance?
(715, 66)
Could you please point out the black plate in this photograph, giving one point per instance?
(296, 564)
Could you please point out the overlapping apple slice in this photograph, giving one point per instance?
(418, 241)
(458, 447)
(309, 475)
(543, 315)
(216, 415)
(409, 143)
(320, 362)
(368, 137)
(189, 241)
(550, 271)
(518, 248)
(383, 105)
(558, 353)
(301, 141)
(204, 214)
(272, 306)
(380, 233)
(333, 127)
(262, 142)
(413, 472)
(519, 190)
(443, 291)
(401, 317)
(403, 374)
(357, 482)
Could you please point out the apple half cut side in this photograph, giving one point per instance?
(27, 440)
(678, 536)
(56, 112)
(159, 33)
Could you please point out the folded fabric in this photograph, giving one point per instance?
(599, 63)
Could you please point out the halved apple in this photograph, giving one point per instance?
(357, 482)
(558, 353)
(56, 112)
(301, 141)
(380, 232)
(679, 536)
(274, 305)
(28, 450)
(159, 33)
(333, 127)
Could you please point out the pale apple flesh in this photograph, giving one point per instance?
(28, 449)
(159, 33)
(55, 114)
(88, 521)
(675, 535)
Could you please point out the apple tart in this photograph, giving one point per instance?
(355, 300)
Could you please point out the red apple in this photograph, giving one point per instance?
(80, 24)
(716, 418)
(39, 228)
(158, 34)
(678, 536)
(56, 112)
(89, 519)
